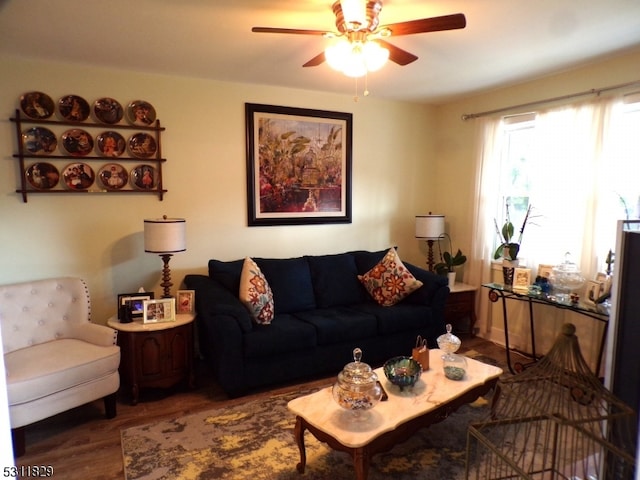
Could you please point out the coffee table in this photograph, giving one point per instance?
(431, 400)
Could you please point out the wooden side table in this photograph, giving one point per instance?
(155, 354)
(460, 306)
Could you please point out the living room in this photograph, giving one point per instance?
(408, 158)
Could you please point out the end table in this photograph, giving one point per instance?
(461, 305)
(155, 354)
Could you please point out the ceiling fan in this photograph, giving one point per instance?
(361, 46)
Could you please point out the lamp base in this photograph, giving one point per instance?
(430, 261)
(166, 276)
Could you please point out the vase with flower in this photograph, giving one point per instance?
(510, 245)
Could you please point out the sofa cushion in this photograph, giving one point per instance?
(227, 273)
(366, 260)
(255, 293)
(399, 318)
(389, 281)
(337, 325)
(285, 334)
(290, 281)
(335, 280)
(68, 363)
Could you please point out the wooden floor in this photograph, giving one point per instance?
(82, 444)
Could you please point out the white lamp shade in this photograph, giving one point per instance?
(429, 226)
(165, 235)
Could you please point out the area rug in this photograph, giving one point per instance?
(254, 440)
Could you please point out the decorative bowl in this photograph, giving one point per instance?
(402, 371)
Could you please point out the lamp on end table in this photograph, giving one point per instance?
(165, 236)
(429, 227)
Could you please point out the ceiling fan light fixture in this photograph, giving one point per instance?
(355, 59)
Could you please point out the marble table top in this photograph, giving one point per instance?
(432, 390)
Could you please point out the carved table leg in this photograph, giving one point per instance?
(361, 460)
(298, 433)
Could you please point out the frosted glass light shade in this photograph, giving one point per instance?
(165, 235)
(429, 226)
(355, 59)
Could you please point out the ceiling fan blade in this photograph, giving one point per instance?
(398, 55)
(294, 31)
(315, 61)
(424, 25)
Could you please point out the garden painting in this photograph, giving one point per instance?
(299, 166)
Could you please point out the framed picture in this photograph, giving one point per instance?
(544, 270)
(134, 301)
(185, 301)
(594, 291)
(521, 279)
(162, 310)
(298, 165)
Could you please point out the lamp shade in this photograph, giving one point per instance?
(429, 226)
(165, 235)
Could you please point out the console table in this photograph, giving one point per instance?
(498, 291)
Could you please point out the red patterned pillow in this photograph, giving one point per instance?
(389, 281)
(255, 293)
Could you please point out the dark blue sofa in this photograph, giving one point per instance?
(322, 312)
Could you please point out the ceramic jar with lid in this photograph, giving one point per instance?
(357, 388)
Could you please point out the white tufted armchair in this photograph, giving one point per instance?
(55, 358)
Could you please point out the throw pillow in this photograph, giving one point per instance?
(255, 293)
(389, 281)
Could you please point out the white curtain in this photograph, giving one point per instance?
(572, 187)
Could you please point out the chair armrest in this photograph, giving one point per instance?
(430, 291)
(93, 333)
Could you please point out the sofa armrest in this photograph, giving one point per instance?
(93, 333)
(212, 298)
(431, 290)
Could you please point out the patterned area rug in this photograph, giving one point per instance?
(254, 440)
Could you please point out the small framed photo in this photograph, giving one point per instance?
(594, 291)
(521, 279)
(545, 270)
(133, 301)
(185, 301)
(162, 310)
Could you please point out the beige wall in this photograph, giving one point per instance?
(99, 236)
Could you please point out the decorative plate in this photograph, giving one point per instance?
(143, 177)
(142, 145)
(113, 176)
(37, 105)
(42, 176)
(108, 110)
(78, 176)
(110, 144)
(39, 140)
(74, 108)
(77, 142)
(140, 112)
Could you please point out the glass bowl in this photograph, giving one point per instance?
(357, 388)
(402, 371)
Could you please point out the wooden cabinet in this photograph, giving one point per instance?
(155, 355)
(459, 310)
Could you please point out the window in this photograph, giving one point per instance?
(579, 167)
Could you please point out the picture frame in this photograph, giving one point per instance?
(134, 301)
(545, 270)
(521, 278)
(299, 165)
(594, 290)
(185, 301)
(606, 281)
(161, 310)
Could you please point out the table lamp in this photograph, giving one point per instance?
(165, 236)
(429, 227)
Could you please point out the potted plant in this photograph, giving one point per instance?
(510, 247)
(448, 262)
